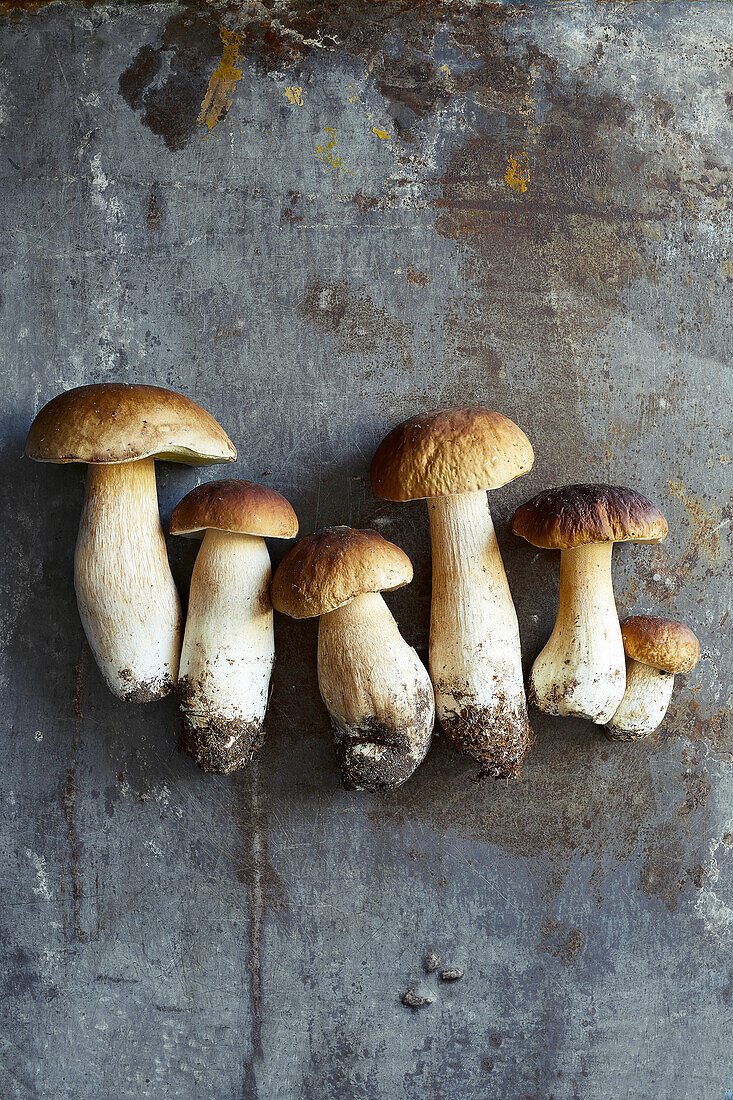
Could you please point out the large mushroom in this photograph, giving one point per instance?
(127, 598)
(376, 689)
(229, 643)
(581, 670)
(657, 650)
(452, 458)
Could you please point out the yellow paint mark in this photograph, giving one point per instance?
(294, 95)
(333, 160)
(352, 98)
(517, 175)
(381, 133)
(517, 172)
(222, 82)
(447, 77)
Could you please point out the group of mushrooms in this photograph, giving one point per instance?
(381, 699)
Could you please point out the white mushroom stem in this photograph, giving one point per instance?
(645, 701)
(228, 651)
(475, 654)
(581, 670)
(127, 598)
(378, 694)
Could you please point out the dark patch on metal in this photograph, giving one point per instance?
(697, 791)
(153, 212)
(665, 873)
(167, 82)
(451, 974)
(266, 892)
(69, 795)
(562, 940)
(608, 815)
(411, 85)
(357, 323)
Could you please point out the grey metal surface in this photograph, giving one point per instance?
(170, 934)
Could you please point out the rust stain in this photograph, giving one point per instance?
(707, 522)
(665, 873)
(687, 718)
(419, 278)
(697, 791)
(562, 940)
(224, 79)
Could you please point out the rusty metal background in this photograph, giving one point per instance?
(317, 219)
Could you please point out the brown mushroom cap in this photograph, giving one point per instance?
(325, 570)
(457, 451)
(241, 507)
(575, 515)
(662, 643)
(117, 422)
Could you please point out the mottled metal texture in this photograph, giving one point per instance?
(317, 219)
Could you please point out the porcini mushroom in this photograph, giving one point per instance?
(452, 458)
(127, 598)
(376, 689)
(581, 670)
(229, 643)
(656, 651)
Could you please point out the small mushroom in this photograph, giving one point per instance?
(376, 689)
(452, 458)
(581, 670)
(229, 644)
(656, 651)
(127, 598)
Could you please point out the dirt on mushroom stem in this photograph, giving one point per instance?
(497, 737)
(394, 766)
(222, 745)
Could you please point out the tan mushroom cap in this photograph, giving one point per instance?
(575, 515)
(242, 507)
(117, 422)
(662, 643)
(456, 451)
(325, 570)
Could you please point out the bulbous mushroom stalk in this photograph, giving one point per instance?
(656, 651)
(452, 458)
(127, 598)
(229, 643)
(128, 601)
(581, 670)
(376, 690)
(475, 653)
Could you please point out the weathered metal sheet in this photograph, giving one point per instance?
(317, 219)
